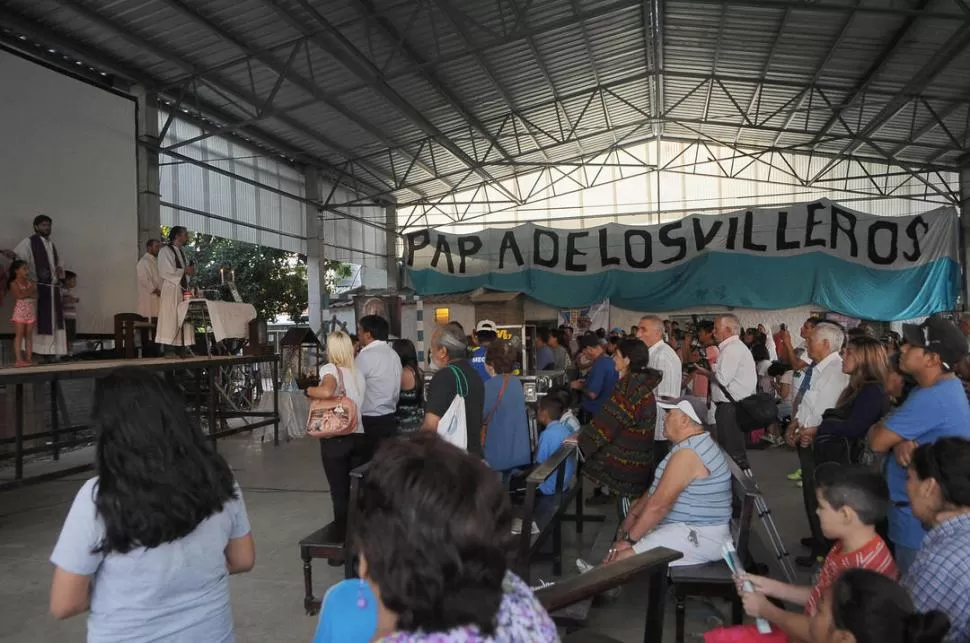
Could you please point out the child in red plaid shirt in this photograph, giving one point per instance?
(851, 502)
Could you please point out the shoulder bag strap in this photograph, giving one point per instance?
(498, 400)
(723, 388)
(341, 389)
(461, 384)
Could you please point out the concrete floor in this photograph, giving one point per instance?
(287, 498)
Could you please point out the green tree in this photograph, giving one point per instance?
(273, 281)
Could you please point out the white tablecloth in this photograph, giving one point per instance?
(228, 319)
(294, 408)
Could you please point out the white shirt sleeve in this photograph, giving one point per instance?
(145, 281)
(240, 518)
(822, 394)
(82, 532)
(24, 253)
(668, 363)
(167, 268)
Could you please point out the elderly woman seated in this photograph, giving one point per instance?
(688, 506)
(433, 527)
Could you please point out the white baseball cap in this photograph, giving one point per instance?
(486, 325)
(670, 403)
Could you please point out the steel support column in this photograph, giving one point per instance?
(390, 237)
(965, 227)
(149, 199)
(315, 262)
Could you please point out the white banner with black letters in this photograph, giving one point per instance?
(637, 263)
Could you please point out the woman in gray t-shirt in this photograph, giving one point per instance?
(149, 543)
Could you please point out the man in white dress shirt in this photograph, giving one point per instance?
(735, 372)
(663, 358)
(174, 270)
(827, 381)
(381, 368)
(47, 271)
(149, 281)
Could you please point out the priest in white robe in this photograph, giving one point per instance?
(174, 270)
(47, 271)
(149, 281)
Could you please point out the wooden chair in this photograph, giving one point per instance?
(653, 563)
(327, 544)
(125, 326)
(715, 580)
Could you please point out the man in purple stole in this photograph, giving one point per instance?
(47, 271)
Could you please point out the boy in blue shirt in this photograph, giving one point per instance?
(552, 436)
(936, 408)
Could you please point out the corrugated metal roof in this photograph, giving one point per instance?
(419, 99)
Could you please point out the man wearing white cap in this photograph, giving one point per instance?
(688, 506)
(485, 333)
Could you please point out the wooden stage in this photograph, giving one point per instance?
(217, 389)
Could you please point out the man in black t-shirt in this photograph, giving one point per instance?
(449, 348)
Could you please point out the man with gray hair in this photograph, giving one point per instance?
(455, 376)
(826, 383)
(663, 358)
(733, 378)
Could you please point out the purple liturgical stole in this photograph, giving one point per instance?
(45, 288)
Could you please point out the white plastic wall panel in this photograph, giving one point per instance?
(230, 206)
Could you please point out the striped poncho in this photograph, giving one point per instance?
(618, 443)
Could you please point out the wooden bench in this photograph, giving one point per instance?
(653, 563)
(546, 511)
(714, 579)
(327, 544)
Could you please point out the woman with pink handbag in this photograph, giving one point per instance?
(335, 420)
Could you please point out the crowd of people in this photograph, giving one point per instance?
(882, 434)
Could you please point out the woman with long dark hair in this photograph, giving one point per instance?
(149, 542)
(410, 403)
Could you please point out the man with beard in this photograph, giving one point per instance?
(47, 271)
(174, 270)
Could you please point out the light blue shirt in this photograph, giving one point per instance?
(550, 440)
(178, 591)
(927, 415)
(507, 444)
(348, 613)
(381, 368)
(705, 501)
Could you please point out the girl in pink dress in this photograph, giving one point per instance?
(24, 311)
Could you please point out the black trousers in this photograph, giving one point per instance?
(343, 454)
(340, 456)
(378, 427)
(806, 460)
(728, 433)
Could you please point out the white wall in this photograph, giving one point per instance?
(535, 311)
(344, 315)
(67, 150)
